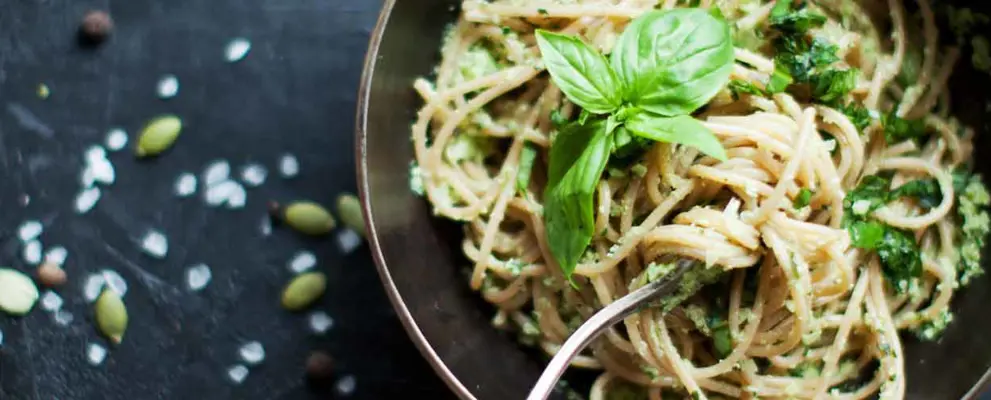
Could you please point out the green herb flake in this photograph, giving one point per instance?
(794, 17)
(543, 11)
(739, 87)
(527, 157)
(897, 129)
(803, 198)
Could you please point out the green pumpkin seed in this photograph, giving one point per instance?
(309, 218)
(349, 209)
(304, 290)
(18, 294)
(158, 135)
(111, 316)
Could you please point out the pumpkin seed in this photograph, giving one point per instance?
(18, 294)
(309, 218)
(304, 290)
(111, 316)
(158, 135)
(349, 209)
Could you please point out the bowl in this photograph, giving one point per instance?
(419, 258)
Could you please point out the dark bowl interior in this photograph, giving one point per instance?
(418, 255)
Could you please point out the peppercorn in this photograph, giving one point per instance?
(96, 27)
(319, 367)
(51, 275)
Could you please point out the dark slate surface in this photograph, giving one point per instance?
(293, 93)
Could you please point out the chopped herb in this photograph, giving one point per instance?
(527, 157)
(543, 11)
(897, 129)
(803, 198)
(807, 369)
(722, 341)
(931, 330)
(926, 191)
(972, 212)
(859, 116)
(738, 87)
(794, 17)
(780, 80)
(832, 85)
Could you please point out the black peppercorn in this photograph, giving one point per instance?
(319, 367)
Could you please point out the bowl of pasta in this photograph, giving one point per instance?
(524, 163)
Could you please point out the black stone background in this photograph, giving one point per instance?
(294, 92)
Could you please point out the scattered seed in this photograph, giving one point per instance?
(237, 373)
(216, 172)
(17, 292)
(185, 185)
(56, 255)
(159, 135)
(114, 282)
(96, 26)
(30, 230)
(348, 240)
(93, 287)
(320, 322)
(86, 199)
(254, 175)
(252, 353)
(95, 354)
(51, 301)
(237, 49)
(32, 252)
(63, 318)
(198, 276)
(345, 386)
(288, 166)
(303, 261)
(221, 193)
(43, 91)
(51, 274)
(304, 290)
(319, 366)
(349, 209)
(111, 316)
(116, 139)
(309, 218)
(155, 244)
(168, 87)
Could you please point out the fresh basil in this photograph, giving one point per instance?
(682, 129)
(578, 157)
(581, 72)
(527, 158)
(672, 62)
(832, 85)
(793, 16)
(897, 129)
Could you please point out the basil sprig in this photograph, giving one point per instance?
(664, 66)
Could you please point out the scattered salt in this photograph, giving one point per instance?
(95, 154)
(86, 199)
(185, 185)
(254, 175)
(238, 197)
(237, 49)
(217, 172)
(155, 244)
(51, 301)
(320, 322)
(288, 166)
(114, 282)
(348, 240)
(345, 386)
(168, 87)
(237, 373)
(32, 252)
(198, 276)
(93, 287)
(102, 171)
(95, 354)
(221, 192)
(266, 226)
(116, 139)
(252, 353)
(56, 255)
(87, 178)
(63, 318)
(301, 262)
(30, 230)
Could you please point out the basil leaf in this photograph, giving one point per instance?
(865, 234)
(859, 116)
(577, 159)
(873, 189)
(834, 84)
(527, 157)
(672, 62)
(900, 257)
(581, 72)
(926, 191)
(897, 129)
(780, 80)
(793, 17)
(738, 87)
(682, 129)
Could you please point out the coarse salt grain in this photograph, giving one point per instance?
(217, 172)
(237, 373)
(302, 261)
(155, 244)
(252, 353)
(51, 301)
(185, 185)
(198, 276)
(32, 252)
(288, 166)
(102, 172)
(56, 255)
(320, 322)
(346, 385)
(253, 175)
(63, 318)
(115, 282)
(116, 139)
(95, 154)
(93, 286)
(168, 87)
(29, 230)
(237, 49)
(221, 192)
(87, 199)
(95, 354)
(238, 196)
(348, 240)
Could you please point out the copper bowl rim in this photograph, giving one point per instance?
(361, 161)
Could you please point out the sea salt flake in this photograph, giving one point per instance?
(95, 154)
(222, 192)
(32, 252)
(51, 301)
(346, 385)
(168, 87)
(185, 185)
(63, 318)
(302, 261)
(238, 196)
(252, 353)
(198, 276)
(288, 166)
(93, 287)
(30, 230)
(155, 244)
(237, 49)
(217, 172)
(86, 199)
(348, 240)
(87, 178)
(56, 255)
(95, 354)
(116, 139)
(320, 322)
(253, 175)
(237, 373)
(115, 282)
(103, 172)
